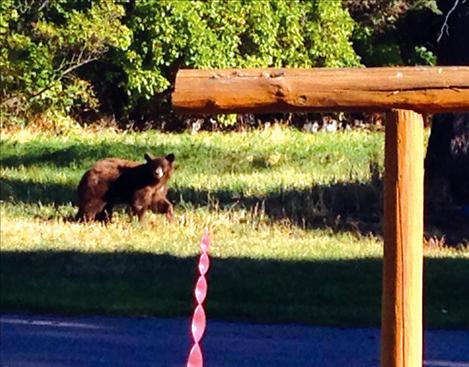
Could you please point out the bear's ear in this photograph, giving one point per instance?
(148, 157)
(170, 158)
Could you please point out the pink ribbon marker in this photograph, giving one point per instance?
(195, 358)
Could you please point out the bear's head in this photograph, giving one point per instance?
(161, 168)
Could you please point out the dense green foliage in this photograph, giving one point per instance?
(218, 34)
(64, 54)
(43, 44)
(91, 58)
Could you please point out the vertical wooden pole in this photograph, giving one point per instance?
(401, 318)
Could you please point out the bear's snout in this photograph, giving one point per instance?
(159, 172)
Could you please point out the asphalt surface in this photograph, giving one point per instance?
(43, 341)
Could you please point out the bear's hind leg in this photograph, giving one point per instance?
(105, 215)
(90, 210)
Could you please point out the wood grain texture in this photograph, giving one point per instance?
(422, 89)
(401, 329)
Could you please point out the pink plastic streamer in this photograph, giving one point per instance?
(195, 358)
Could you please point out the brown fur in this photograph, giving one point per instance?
(113, 181)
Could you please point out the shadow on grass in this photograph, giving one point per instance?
(84, 155)
(345, 292)
(76, 154)
(342, 206)
(355, 207)
(19, 191)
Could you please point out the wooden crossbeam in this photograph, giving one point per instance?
(422, 89)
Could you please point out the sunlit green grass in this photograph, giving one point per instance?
(257, 162)
(236, 234)
(285, 210)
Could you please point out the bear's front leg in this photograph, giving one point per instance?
(139, 211)
(162, 205)
(167, 209)
(170, 212)
(140, 204)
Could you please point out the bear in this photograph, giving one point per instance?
(111, 181)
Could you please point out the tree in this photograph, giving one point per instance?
(45, 43)
(394, 32)
(69, 54)
(168, 35)
(452, 48)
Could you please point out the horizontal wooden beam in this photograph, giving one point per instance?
(422, 89)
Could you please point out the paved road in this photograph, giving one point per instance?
(41, 341)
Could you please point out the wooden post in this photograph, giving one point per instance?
(401, 329)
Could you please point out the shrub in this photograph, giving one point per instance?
(43, 45)
(168, 35)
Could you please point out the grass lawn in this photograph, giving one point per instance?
(296, 223)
